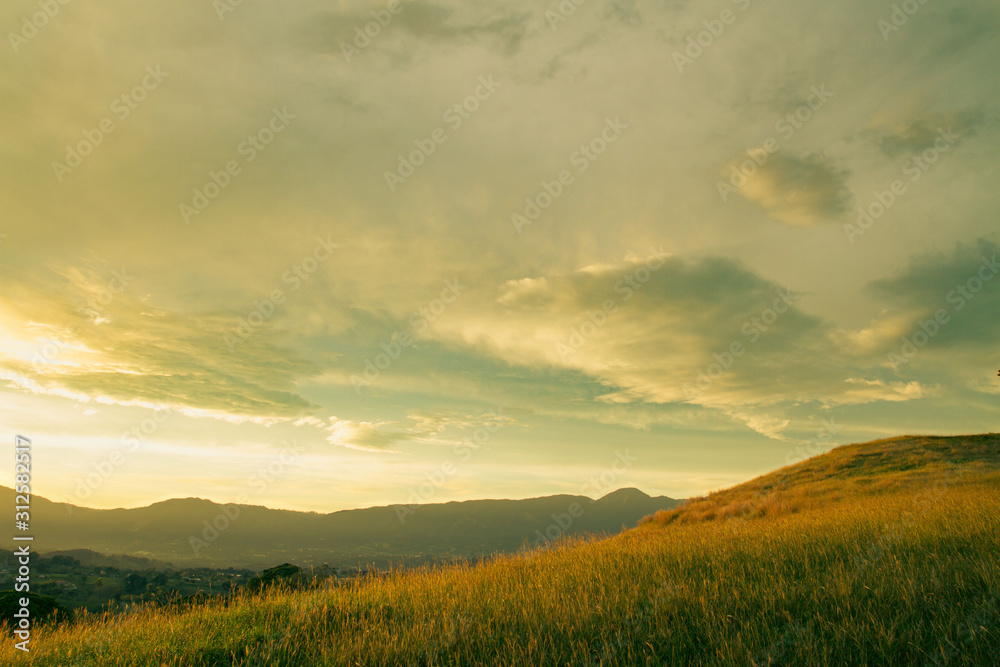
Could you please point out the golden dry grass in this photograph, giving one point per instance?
(882, 553)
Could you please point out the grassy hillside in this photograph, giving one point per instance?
(880, 553)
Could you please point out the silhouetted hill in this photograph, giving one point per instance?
(90, 558)
(190, 532)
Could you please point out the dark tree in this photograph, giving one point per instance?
(135, 583)
(41, 607)
(58, 563)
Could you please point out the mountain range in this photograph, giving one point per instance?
(193, 532)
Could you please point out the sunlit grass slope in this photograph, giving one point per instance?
(879, 553)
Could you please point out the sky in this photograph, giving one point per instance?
(320, 256)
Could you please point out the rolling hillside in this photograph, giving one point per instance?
(884, 553)
(923, 466)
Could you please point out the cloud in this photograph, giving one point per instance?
(867, 391)
(802, 191)
(365, 436)
(912, 135)
(766, 425)
(436, 422)
(964, 283)
(432, 23)
(94, 343)
(661, 330)
(623, 11)
(440, 24)
(421, 427)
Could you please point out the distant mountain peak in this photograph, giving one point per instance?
(624, 496)
(183, 503)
